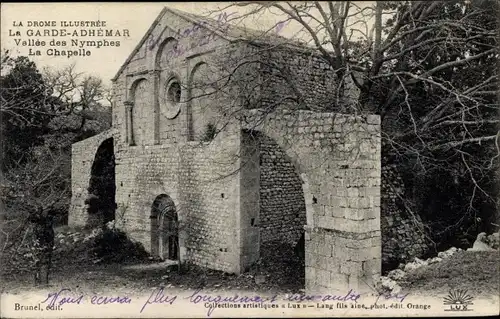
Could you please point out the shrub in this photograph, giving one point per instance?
(113, 245)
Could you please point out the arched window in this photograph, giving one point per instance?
(203, 113)
(166, 52)
(141, 111)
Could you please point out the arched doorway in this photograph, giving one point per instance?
(101, 191)
(164, 228)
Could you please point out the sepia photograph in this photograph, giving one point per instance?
(250, 159)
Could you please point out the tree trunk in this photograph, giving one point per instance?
(42, 246)
(42, 267)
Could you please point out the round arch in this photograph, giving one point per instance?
(281, 193)
(293, 158)
(140, 95)
(133, 88)
(162, 55)
(201, 110)
(101, 203)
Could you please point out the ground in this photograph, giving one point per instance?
(73, 266)
(475, 271)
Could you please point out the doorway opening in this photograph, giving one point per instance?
(164, 228)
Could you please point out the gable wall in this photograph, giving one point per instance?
(165, 162)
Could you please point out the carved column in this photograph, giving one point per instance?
(129, 122)
(155, 75)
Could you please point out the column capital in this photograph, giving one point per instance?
(128, 104)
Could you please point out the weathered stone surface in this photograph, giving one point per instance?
(403, 237)
(320, 169)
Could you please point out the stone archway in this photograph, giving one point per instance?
(274, 214)
(339, 154)
(164, 228)
(100, 202)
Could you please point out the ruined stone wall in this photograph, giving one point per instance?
(295, 74)
(82, 157)
(403, 236)
(316, 83)
(282, 206)
(338, 157)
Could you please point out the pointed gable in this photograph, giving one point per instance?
(191, 33)
(196, 31)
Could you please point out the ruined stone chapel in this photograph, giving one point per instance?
(221, 142)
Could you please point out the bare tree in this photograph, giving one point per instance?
(34, 194)
(429, 69)
(80, 94)
(36, 112)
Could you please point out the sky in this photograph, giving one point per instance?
(136, 17)
(105, 61)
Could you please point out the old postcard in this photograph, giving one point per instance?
(250, 159)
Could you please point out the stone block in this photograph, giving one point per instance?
(338, 283)
(372, 213)
(375, 201)
(310, 274)
(372, 191)
(325, 249)
(339, 212)
(366, 225)
(366, 253)
(353, 192)
(322, 277)
(326, 222)
(345, 202)
(340, 253)
(351, 267)
(372, 266)
(326, 263)
(355, 214)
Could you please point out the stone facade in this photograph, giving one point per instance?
(403, 236)
(229, 188)
(338, 159)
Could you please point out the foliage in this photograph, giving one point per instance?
(39, 123)
(25, 111)
(429, 69)
(113, 245)
(41, 115)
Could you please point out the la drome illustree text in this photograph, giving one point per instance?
(64, 38)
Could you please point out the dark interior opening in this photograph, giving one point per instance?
(101, 203)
